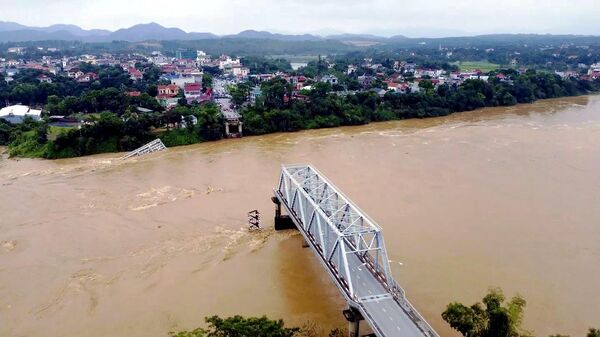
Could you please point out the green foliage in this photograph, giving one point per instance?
(263, 65)
(194, 333)
(179, 137)
(27, 145)
(492, 319)
(593, 332)
(238, 326)
(240, 93)
(207, 80)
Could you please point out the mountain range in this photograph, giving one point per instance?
(15, 32)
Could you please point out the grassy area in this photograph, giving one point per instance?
(178, 137)
(55, 131)
(484, 66)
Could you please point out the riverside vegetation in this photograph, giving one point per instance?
(114, 124)
(493, 318)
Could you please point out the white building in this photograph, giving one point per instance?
(200, 56)
(16, 114)
(331, 79)
(239, 71)
(228, 62)
(16, 50)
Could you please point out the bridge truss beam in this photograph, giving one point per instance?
(346, 240)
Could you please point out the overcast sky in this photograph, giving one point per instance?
(384, 17)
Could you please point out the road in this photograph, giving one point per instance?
(224, 100)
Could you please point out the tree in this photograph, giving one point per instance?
(238, 326)
(593, 333)
(492, 319)
(239, 93)
(207, 80)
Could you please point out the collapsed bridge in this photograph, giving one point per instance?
(350, 246)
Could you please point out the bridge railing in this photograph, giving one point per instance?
(153, 146)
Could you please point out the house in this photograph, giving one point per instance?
(44, 79)
(181, 81)
(192, 119)
(365, 81)
(192, 92)
(75, 73)
(15, 114)
(170, 90)
(87, 77)
(167, 102)
(135, 74)
(133, 93)
(351, 69)
(331, 79)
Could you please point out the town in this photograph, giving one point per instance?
(167, 93)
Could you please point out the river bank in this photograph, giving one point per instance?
(28, 147)
(502, 197)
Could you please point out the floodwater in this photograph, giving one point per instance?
(504, 197)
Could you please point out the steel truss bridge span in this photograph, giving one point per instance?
(351, 247)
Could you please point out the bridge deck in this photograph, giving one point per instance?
(362, 276)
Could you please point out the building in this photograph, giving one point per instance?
(240, 72)
(186, 54)
(17, 113)
(331, 79)
(365, 81)
(200, 56)
(16, 50)
(192, 92)
(135, 74)
(170, 90)
(86, 78)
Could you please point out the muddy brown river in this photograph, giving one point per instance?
(505, 197)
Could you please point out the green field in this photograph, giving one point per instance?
(484, 66)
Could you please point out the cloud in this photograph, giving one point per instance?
(388, 17)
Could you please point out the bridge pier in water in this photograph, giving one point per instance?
(354, 317)
(282, 222)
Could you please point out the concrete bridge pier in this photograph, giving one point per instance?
(282, 222)
(353, 317)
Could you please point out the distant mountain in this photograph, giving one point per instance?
(253, 34)
(154, 31)
(356, 37)
(75, 30)
(36, 35)
(11, 26)
(15, 32)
